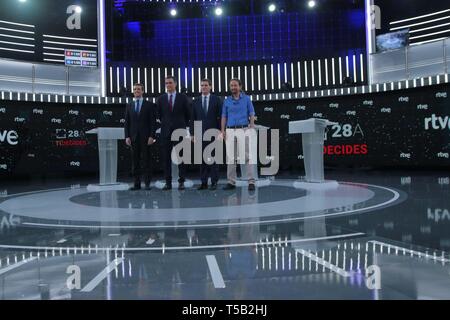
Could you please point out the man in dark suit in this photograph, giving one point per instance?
(207, 109)
(174, 113)
(140, 129)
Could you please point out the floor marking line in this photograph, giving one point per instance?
(214, 270)
(102, 275)
(418, 253)
(324, 263)
(16, 265)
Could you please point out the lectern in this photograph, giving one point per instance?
(108, 152)
(313, 137)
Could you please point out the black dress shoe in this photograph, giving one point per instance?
(135, 188)
(181, 187)
(251, 187)
(213, 186)
(203, 186)
(229, 186)
(167, 187)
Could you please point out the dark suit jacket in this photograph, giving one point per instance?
(142, 124)
(179, 118)
(212, 120)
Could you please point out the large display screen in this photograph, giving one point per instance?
(264, 37)
(400, 128)
(393, 40)
(41, 30)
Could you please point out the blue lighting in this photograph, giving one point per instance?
(269, 37)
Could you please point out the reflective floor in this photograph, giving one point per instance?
(375, 235)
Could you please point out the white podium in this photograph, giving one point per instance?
(108, 152)
(313, 137)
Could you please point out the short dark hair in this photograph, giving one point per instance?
(208, 80)
(237, 80)
(171, 78)
(139, 85)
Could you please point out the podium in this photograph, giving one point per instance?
(108, 152)
(313, 137)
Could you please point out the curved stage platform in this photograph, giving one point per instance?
(313, 242)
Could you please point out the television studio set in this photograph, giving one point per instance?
(238, 151)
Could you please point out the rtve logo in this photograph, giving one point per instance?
(55, 120)
(368, 103)
(333, 105)
(403, 99)
(91, 121)
(441, 95)
(267, 109)
(318, 115)
(11, 137)
(301, 108)
(422, 107)
(351, 113)
(74, 112)
(107, 113)
(285, 116)
(443, 155)
(405, 155)
(2, 110)
(75, 164)
(437, 123)
(19, 119)
(38, 111)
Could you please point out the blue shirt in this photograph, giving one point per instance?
(238, 111)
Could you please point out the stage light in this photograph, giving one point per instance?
(78, 9)
(218, 11)
(22, 0)
(173, 12)
(311, 4)
(272, 7)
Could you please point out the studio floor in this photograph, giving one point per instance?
(374, 235)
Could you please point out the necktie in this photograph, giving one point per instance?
(171, 103)
(138, 106)
(205, 105)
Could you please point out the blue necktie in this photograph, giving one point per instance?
(205, 105)
(138, 106)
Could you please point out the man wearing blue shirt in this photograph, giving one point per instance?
(238, 116)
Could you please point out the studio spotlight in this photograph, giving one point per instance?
(311, 4)
(78, 9)
(173, 12)
(22, 0)
(218, 11)
(272, 7)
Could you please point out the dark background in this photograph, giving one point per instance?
(386, 135)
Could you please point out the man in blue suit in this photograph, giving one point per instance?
(207, 109)
(140, 133)
(175, 113)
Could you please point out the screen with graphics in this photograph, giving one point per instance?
(41, 30)
(401, 128)
(244, 38)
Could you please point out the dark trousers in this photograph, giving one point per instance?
(209, 170)
(167, 147)
(141, 155)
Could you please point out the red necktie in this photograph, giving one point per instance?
(171, 103)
